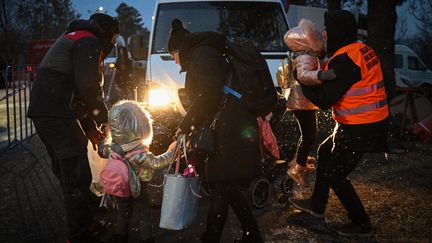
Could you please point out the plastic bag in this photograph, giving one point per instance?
(268, 138)
(97, 164)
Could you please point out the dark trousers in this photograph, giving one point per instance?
(336, 159)
(130, 209)
(67, 147)
(307, 121)
(222, 196)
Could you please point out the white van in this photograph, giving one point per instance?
(409, 66)
(262, 21)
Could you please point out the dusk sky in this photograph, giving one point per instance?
(146, 8)
(87, 7)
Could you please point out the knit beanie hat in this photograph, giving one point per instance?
(177, 35)
(109, 25)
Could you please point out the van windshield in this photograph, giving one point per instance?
(262, 22)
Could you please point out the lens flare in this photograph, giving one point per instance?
(159, 97)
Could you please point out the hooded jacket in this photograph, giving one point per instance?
(69, 82)
(341, 30)
(237, 138)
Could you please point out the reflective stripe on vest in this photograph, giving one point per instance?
(362, 108)
(365, 90)
(366, 100)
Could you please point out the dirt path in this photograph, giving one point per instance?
(396, 194)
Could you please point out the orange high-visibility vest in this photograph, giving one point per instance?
(366, 100)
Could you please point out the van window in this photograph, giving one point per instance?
(415, 64)
(263, 23)
(398, 61)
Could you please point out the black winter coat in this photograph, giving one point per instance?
(238, 156)
(69, 80)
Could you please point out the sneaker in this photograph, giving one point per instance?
(305, 205)
(353, 229)
(298, 174)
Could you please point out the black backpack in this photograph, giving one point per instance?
(251, 70)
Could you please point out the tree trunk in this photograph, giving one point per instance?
(334, 5)
(381, 30)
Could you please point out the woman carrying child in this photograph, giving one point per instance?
(307, 47)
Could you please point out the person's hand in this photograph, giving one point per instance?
(95, 136)
(178, 132)
(327, 75)
(106, 130)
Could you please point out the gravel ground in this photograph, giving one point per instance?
(396, 192)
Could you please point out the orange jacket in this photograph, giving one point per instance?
(366, 100)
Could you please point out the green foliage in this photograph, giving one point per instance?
(422, 11)
(46, 18)
(130, 21)
(25, 20)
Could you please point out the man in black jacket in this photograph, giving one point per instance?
(67, 108)
(359, 105)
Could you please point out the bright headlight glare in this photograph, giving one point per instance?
(160, 97)
(111, 65)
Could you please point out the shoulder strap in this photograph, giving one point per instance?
(75, 35)
(114, 155)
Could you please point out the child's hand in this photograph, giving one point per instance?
(178, 132)
(172, 146)
(106, 130)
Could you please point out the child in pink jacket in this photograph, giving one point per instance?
(307, 47)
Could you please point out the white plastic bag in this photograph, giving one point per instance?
(97, 164)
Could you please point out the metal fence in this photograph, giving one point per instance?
(14, 101)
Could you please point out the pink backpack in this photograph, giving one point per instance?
(115, 175)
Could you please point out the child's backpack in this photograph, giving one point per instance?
(118, 178)
(251, 70)
(115, 178)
